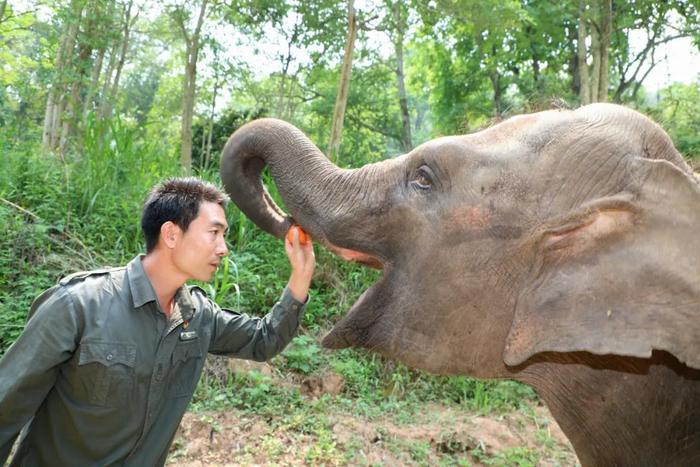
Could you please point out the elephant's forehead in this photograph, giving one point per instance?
(456, 153)
(514, 130)
(514, 139)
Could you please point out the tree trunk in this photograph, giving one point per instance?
(343, 86)
(3, 4)
(103, 28)
(572, 36)
(406, 143)
(89, 104)
(210, 126)
(189, 85)
(72, 128)
(539, 85)
(113, 90)
(106, 84)
(536, 64)
(56, 96)
(495, 78)
(285, 83)
(595, 54)
(584, 86)
(604, 44)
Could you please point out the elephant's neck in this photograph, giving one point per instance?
(648, 414)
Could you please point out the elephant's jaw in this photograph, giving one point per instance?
(361, 326)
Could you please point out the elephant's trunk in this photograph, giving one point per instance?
(333, 204)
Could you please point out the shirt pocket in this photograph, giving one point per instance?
(185, 368)
(106, 373)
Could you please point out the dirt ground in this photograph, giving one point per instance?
(441, 435)
(437, 435)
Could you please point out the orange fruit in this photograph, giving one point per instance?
(304, 238)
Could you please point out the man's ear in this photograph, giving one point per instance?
(608, 279)
(170, 234)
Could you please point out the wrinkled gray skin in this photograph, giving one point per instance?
(561, 249)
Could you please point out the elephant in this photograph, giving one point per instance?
(559, 248)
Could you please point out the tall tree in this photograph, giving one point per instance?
(57, 98)
(310, 37)
(3, 6)
(79, 84)
(661, 22)
(396, 27)
(595, 21)
(192, 46)
(206, 144)
(467, 47)
(118, 56)
(542, 48)
(343, 86)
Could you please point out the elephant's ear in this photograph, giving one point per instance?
(619, 275)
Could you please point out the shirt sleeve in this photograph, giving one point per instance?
(241, 336)
(29, 368)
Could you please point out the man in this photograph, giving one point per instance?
(109, 359)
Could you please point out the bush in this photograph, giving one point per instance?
(677, 113)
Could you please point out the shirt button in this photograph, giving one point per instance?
(109, 357)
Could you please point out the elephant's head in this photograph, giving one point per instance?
(559, 231)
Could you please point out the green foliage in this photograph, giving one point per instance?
(22, 271)
(485, 396)
(517, 456)
(677, 113)
(316, 24)
(222, 128)
(303, 355)
(251, 391)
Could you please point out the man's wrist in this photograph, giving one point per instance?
(299, 286)
(290, 301)
(299, 293)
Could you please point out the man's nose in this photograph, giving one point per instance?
(222, 248)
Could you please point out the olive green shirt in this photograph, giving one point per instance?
(107, 376)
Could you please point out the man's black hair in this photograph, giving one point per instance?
(176, 200)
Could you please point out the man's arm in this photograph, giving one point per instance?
(251, 338)
(29, 369)
(260, 339)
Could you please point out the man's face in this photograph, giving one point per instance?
(200, 249)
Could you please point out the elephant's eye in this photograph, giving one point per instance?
(423, 178)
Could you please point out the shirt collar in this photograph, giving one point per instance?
(142, 290)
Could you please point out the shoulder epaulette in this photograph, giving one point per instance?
(192, 288)
(80, 275)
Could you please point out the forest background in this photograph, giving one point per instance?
(100, 99)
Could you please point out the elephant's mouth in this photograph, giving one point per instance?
(357, 256)
(354, 329)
